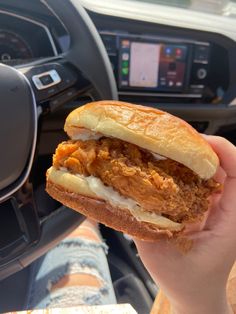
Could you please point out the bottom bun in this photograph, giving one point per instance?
(101, 211)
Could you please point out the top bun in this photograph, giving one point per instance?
(149, 128)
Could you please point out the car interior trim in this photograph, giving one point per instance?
(155, 37)
(159, 94)
(160, 14)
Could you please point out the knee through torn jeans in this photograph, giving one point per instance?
(74, 273)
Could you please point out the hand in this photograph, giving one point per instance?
(195, 282)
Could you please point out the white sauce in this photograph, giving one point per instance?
(109, 194)
(86, 135)
(113, 197)
(63, 169)
(106, 192)
(158, 157)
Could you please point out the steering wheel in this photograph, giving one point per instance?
(23, 91)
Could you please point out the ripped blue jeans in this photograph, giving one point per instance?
(71, 256)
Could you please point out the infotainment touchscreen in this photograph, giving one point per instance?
(151, 66)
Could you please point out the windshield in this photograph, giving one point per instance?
(220, 7)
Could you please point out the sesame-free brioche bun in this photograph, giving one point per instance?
(148, 128)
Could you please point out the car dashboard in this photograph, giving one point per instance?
(165, 66)
(185, 71)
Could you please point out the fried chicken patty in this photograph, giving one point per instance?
(161, 186)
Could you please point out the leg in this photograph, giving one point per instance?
(74, 273)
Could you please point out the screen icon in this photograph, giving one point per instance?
(124, 83)
(125, 64)
(125, 71)
(168, 51)
(125, 56)
(178, 52)
(125, 43)
(163, 83)
(171, 83)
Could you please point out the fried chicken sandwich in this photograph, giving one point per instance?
(136, 169)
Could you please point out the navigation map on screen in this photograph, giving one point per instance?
(144, 64)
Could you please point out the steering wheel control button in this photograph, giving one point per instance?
(37, 82)
(201, 73)
(46, 79)
(69, 78)
(49, 92)
(201, 54)
(62, 99)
